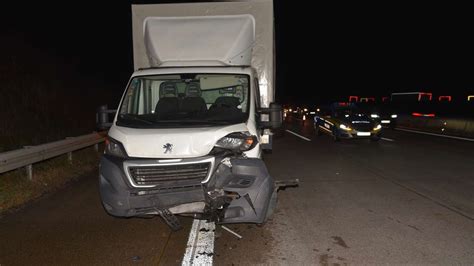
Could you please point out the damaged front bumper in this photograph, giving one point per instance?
(224, 190)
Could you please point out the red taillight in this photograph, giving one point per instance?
(426, 115)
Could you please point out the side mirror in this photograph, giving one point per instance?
(271, 117)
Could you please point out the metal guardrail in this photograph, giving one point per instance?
(29, 155)
(449, 126)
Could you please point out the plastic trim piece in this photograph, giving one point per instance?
(138, 163)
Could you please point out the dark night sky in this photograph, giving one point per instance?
(323, 51)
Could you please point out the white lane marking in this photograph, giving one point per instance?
(200, 247)
(298, 135)
(387, 139)
(434, 134)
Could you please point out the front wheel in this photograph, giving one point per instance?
(317, 131)
(375, 138)
(335, 135)
(272, 204)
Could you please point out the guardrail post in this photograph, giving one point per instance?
(29, 171)
(69, 154)
(102, 117)
(96, 147)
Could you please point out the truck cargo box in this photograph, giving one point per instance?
(207, 34)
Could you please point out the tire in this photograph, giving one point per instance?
(375, 138)
(317, 131)
(335, 136)
(271, 208)
(272, 205)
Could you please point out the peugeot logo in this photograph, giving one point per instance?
(168, 147)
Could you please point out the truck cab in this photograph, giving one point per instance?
(189, 132)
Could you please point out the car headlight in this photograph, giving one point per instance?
(374, 115)
(114, 148)
(342, 126)
(394, 116)
(237, 141)
(378, 127)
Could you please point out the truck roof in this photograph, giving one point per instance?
(209, 70)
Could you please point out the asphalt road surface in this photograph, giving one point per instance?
(407, 199)
(71, 228)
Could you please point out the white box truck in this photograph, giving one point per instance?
(195, 116)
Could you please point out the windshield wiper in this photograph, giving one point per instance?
(197, 121)
(133, 117)
(176, 121)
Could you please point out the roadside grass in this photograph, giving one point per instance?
(48, 176)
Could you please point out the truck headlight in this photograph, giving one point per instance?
(237, 141)
(114, 148)
(394, 116)
(378, 127)
(342, 126)
(374, 115)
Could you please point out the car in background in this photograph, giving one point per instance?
(383, 113)
(346, 121)
(299, 112)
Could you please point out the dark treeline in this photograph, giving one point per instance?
(57, 65)
(44, 97)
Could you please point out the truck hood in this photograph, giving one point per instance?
(186, 142)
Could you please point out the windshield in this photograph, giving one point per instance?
(349, 112)
(185, 100)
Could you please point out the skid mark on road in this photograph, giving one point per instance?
(164, 248)
(339, 241)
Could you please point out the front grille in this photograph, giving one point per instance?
(363, 127)
(170, 176)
